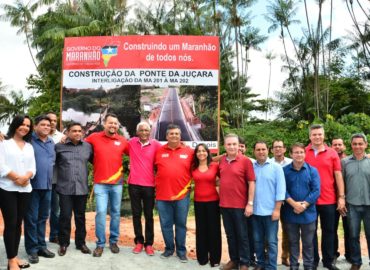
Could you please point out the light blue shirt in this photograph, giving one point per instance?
(270, 187)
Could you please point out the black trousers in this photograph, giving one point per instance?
(208, 232)
(142, 198)
(327, 221)
(347, 241)
(13, 206)
(77, 205)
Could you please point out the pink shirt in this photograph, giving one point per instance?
(142, 162)
(326, 162)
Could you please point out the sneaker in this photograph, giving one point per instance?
(183, 258)
(138, 248)
(166, 254)
(149, 250)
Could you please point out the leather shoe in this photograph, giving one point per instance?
(258, 268)
(229, 266)
(84, 249)
(285, 261)
(355, 267)
(98, 252)
(33, 258)
(114, 248)
(331, 267)
(62, 250)
(46, 253)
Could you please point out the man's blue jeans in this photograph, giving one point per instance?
(265, 230)
(35, 220)
(174, 213)
(103, 195)
(54, 214)
(356, 214)
(236, 228)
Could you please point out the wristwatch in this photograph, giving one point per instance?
(342, 196)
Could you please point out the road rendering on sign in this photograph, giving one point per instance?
(172, 113)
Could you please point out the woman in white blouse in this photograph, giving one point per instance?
(17, 167)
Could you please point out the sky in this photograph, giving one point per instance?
(16, 63)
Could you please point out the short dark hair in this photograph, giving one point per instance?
(195, 162)
(40, 118)
(263, 142)
(277, 140)
(315, 126)
(241, 140)
(51, 112)
(297, 144)
(172, 126)
(359, 135)
(110, 115)
(16, 123)
(72, 124)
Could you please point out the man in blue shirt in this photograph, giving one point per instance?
(269, 195)
(299, 211)
(38, 211)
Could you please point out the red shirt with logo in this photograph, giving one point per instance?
(172, 181)
(326, 162)
(205, 184)
(234, 178)
(108, 153)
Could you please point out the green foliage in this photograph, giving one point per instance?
(291, 132)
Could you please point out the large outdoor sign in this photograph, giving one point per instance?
(158, 79)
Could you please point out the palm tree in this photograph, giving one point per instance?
(280, 16)
(250, 39)
(15, 104)
(269, 56)
(21, 15)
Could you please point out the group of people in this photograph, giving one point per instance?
(45, 175)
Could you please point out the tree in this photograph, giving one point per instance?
(21, 15)
(10, 107)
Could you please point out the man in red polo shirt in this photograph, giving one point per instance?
(237, 185)
(109, 148)
(172, 182)
(327, 162)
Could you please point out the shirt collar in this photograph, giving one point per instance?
(35, 137)
(181, 145)
(68, 141)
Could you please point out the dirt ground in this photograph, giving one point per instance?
(127, 236)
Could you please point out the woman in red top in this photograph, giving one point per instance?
(206, 206)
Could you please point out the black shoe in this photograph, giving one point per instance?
(331, 267)
(62, 250)
(46, 253)
(33, 258)
(84, 249)
(23, 265)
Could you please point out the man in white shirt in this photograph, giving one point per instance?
(278, 149)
